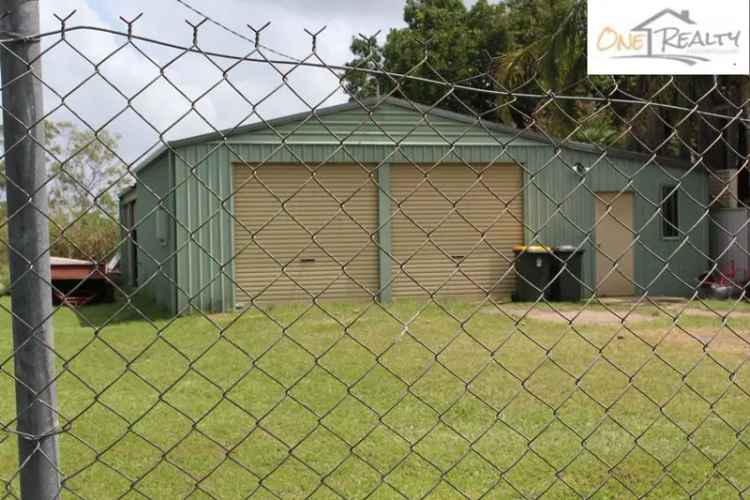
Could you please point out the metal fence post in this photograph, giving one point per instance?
(28, 236)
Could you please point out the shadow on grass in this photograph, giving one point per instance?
(121, 311)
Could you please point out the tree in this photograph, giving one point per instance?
(84, 193)
(86, 169)
(91, 236)
(85, 181)
(548, 52)
(83, 166)
(369, 57)
(443, 40)
(538, 48)
(651, 114)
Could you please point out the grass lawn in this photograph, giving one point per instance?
(416, 401)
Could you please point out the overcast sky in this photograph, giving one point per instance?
(163, 104)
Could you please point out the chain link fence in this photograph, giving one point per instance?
(507, 291)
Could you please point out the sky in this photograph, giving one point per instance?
(101, 80)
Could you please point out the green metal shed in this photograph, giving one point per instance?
(183, 203)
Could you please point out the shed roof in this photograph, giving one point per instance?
(127, 190)
(373, 104)
(64, 261)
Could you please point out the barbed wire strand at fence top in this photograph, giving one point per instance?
(236, 33)
(510, 94)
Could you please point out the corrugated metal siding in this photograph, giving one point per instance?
(204, 179)
(664, 266)
(314, 154)
(204, 231)
(559, 207)
(203, 176)
(156, 259)
(299, 235)
(125, 240)
(126, 247)
(402, 125)
(454, 229)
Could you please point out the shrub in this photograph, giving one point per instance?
(93, 236)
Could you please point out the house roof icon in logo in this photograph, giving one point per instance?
(647, 26)
(683, 16)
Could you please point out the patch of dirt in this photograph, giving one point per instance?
(586, 317)
(705, 313)
(718, 340)
(629, 301)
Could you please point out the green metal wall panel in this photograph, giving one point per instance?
(155, 205)
(125, 277)
(203, 192)
(314, 154)
(560, 209)
(558, 202)
(122, 249)
(385, 233)
(204, 231)
(386, 124)
(125, 239)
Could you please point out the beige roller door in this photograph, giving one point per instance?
(430, 241)
(324, 251)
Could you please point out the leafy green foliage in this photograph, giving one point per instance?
(83, 196)
(549, 43)
(536, 48)
(369, 54)
(85, 167)
(550, 55)
(90, 237)
(85, 180)
(459, 42)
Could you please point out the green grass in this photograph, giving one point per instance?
(464, 401)
(4, 277)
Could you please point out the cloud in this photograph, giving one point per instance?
(100, 81)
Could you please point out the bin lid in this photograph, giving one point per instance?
(568, 249)
(532, 249)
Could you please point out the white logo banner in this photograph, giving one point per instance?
(673, 37)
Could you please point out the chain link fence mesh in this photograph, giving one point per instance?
(384, 344)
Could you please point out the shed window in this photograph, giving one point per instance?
(670, 213)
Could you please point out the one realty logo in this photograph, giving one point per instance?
(698, 40)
